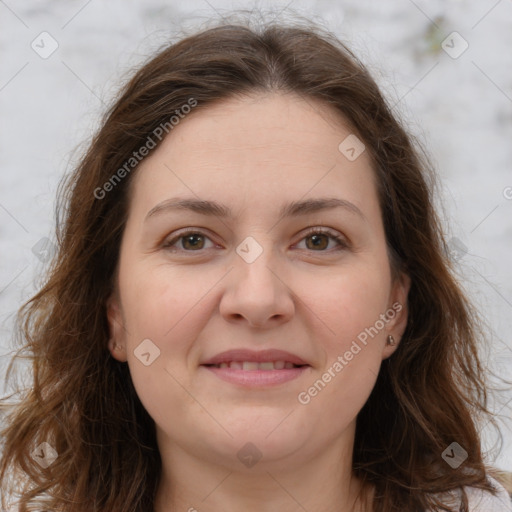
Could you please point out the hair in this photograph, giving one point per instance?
(429, 393)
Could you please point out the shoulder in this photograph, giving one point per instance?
(483, 501)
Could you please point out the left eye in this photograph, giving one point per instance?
(191, 240)
(318, 237)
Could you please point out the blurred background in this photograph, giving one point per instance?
(445, 66)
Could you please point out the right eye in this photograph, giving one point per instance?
(191, 241)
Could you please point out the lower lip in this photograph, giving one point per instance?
(257, 378)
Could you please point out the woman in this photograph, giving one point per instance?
(252, 305)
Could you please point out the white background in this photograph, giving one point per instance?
(460, 108)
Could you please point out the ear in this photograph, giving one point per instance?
(398, 312)
(117, 340)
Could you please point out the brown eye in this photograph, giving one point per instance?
(190, 241)
(317, 240)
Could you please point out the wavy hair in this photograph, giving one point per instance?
(82, 402)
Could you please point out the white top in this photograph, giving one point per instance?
(483, 501)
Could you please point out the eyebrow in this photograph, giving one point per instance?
(293, 209)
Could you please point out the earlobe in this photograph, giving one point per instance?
(117, 351)
(117, 341)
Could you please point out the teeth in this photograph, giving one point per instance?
(252, 365)
(247, 365)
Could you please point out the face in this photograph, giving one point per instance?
(210, 307)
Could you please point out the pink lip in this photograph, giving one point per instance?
(255, 356)
(257, 378)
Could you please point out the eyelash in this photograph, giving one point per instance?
(342, 243)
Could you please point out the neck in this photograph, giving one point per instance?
(193, 484)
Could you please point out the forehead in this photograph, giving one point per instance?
(245, 150)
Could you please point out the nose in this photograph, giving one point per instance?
(257, 290)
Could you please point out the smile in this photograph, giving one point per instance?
(255, 369)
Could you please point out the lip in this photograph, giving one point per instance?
(259, 356)
(256, 378)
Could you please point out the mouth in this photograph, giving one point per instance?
(248, 368)
(254, 365)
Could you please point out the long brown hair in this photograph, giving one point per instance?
(82, 401)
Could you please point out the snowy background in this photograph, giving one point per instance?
(62, 62)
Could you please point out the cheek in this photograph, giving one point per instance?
(164, 307)
(334, 399)
(354, 310)
(351, 302)
(352, 347)
(168, 306)
(159, 302)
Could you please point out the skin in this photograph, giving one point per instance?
(254, 154)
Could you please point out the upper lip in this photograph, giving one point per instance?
(255, 356)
